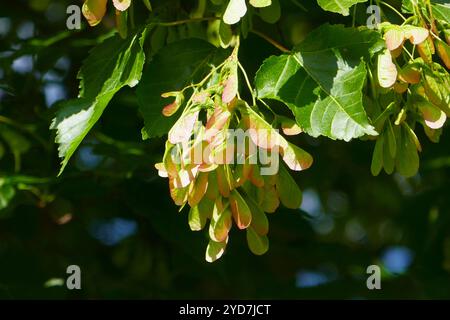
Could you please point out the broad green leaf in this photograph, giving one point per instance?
(256, 243)
(441, 11)
(174, 67)
(322, 82)
(113, 64)
(236, 9)
(407, 6)
(338, 6)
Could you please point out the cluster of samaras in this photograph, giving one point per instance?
(423, 87)
(221, 180)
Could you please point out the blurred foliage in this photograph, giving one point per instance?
(112, 215)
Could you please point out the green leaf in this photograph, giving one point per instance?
(407, 6)
(441, 11)
(257, 244)
(338, 6)
(174, 67)
(113, 64)
(322, 82)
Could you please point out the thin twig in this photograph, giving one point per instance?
(179, 22)
(271, 41)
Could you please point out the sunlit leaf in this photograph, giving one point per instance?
(113, 64)
(322, 82)
(338, 6)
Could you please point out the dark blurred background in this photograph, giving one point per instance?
(112, 215)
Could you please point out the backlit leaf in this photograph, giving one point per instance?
(322, 82)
